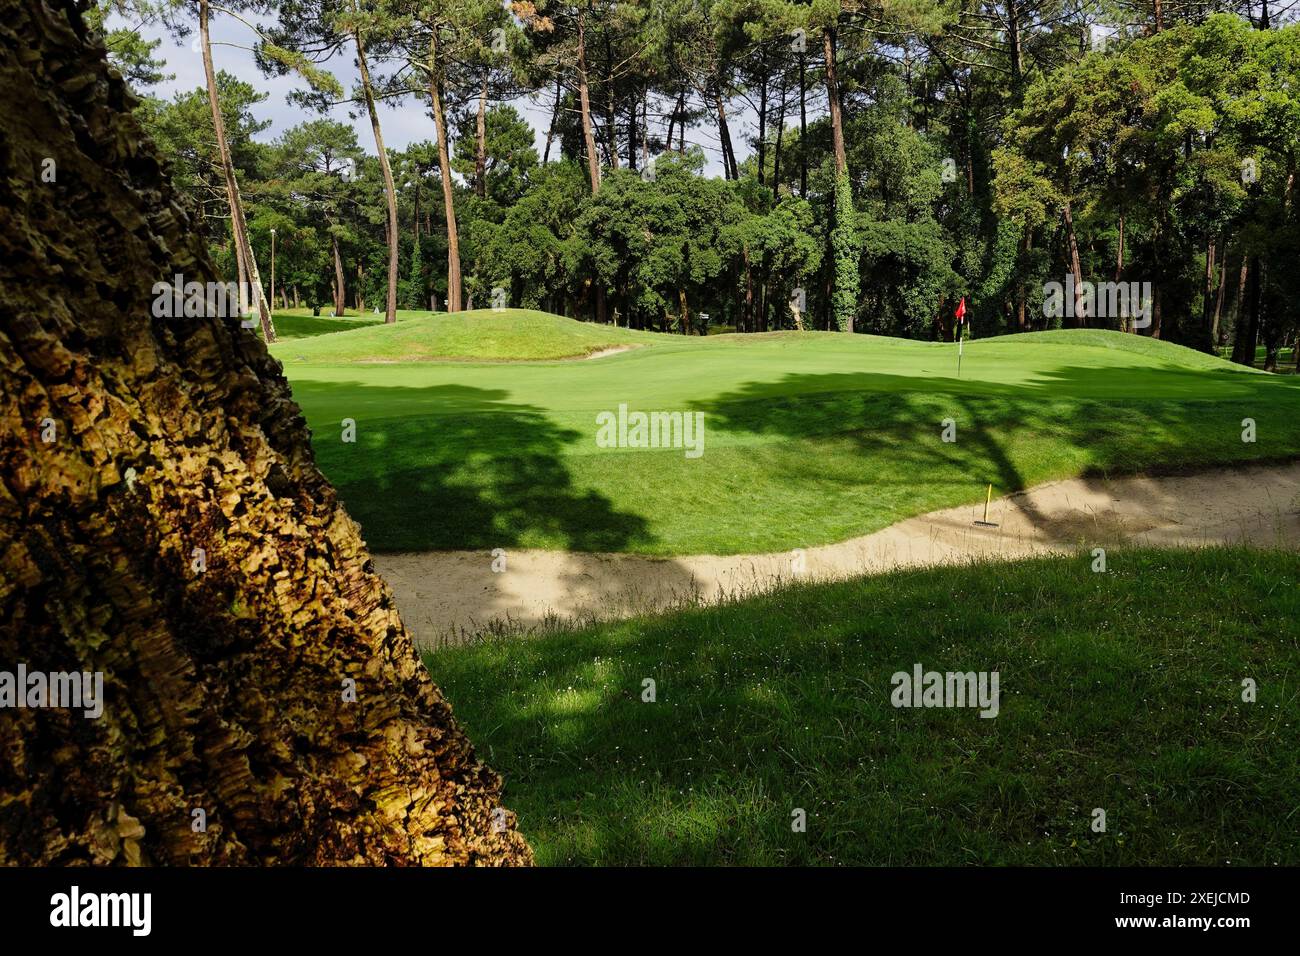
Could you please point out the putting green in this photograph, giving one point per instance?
(507, 335)
(809, 437)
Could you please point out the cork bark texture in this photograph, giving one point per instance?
(224, 687)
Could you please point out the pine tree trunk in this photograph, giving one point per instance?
(177, 537)
(340, 290)
(550, 130)
(584, 102)
(762, 125)
(833, 98)
(237, 223)
(803, 127)
(730, 169)
(632, 105)
(780, 134)
(480, 141)
(1076, 266)
(611, 123)
(589, 141)
(645, 127)
(1239, 353)
(1216, 321)
(454, 299)
(390, 190)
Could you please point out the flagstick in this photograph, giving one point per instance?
(961, 342)
(987, 500)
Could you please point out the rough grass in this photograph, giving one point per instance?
(1120, 691)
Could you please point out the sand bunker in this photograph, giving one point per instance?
(446, 595)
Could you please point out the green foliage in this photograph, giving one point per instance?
(844, 256)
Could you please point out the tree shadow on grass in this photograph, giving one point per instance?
(477, 472)
(784, 702)
(1070, 420)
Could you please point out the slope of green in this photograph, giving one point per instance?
(1120, 691)
(1154, 349)
(484, 335)
(809, 437)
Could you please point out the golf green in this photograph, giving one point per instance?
(808, 438)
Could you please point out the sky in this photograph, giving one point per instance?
(406, 122)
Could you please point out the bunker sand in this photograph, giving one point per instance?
(445, 596)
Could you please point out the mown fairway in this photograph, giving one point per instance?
(1120, 691)
(810, 437)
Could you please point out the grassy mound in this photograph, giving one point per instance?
(1156, 350)
(1120, 691)
(481, 335)
(810, 438)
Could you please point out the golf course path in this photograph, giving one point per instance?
(444, 595)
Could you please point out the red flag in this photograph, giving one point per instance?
(961, 310)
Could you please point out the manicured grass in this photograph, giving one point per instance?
(484, 334)
(1120, 691)
(809, 437)
(295, 324)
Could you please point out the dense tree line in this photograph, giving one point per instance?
(901, 155)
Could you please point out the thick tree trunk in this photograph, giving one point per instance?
(177, 537)
(238, 224)
(390, 191)
(454, 300)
